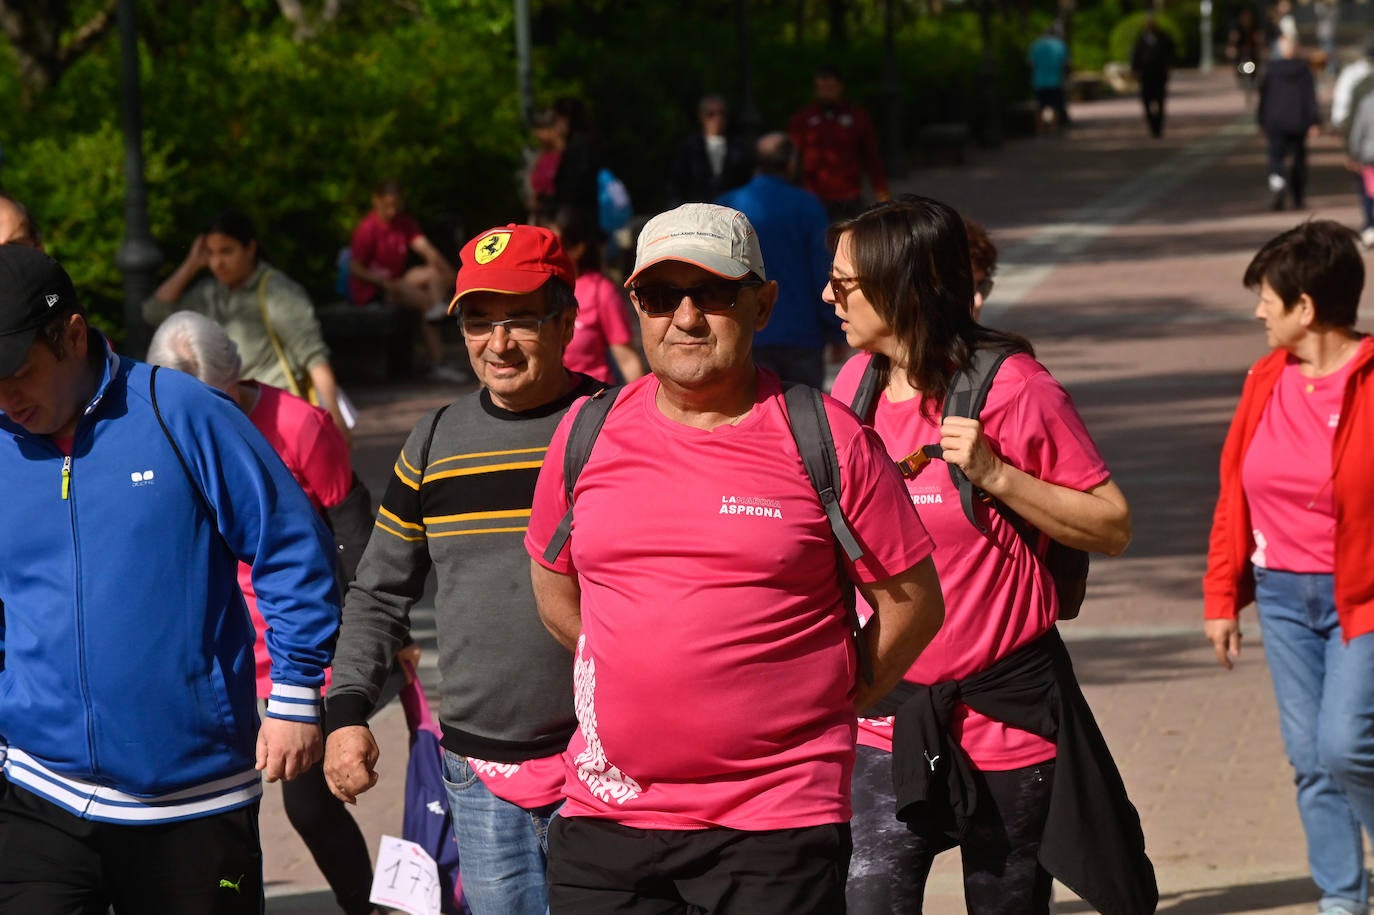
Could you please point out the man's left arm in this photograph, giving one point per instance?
(268, 523)
(908, 610)
(559, 598)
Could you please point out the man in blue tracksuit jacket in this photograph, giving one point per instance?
(791, 223)
(128, 722)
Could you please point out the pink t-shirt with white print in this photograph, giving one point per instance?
(529, 784)
(998, 596)
(714, 675)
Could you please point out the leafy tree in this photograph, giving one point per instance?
(47, 38)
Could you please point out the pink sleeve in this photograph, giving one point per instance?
(1038, 430)
(615, 318)
(551, 499)
(875, 502)
(328, 471)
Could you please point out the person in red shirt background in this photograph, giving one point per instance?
(378, 272)
(836, 145)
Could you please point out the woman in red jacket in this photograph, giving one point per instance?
(1294, 532)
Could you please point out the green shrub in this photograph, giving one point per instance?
(1124, 34)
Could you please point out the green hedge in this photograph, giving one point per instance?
(1125, 33)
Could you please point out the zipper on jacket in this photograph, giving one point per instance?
(80, 627)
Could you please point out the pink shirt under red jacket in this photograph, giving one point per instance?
(1229, 583)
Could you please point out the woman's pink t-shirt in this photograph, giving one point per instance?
(602, 319)
(1287, 472)
(714, 676)
(998, 596)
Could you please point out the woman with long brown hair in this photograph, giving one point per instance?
(983, 765)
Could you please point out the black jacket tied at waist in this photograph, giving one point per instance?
(1093, 842)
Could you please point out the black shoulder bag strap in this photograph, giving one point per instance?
(811, 430)
(866, 394)
(586, 427)
(181, 458)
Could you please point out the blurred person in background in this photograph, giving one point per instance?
(268, 315)
(710, 161)
(1289, 117)
(791, 224)
(983, 259)
(379, 259)
(603, 342)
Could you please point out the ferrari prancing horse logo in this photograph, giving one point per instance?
(490, 248)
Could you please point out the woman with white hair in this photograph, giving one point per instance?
(315, 452)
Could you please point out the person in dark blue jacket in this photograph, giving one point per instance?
(1289, 117)
(791, 223)
(128, 718)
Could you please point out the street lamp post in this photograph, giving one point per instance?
(1205, 25)
(138, 257)
(987, 79)
(523, 80)
(749, 108)
(892, 94)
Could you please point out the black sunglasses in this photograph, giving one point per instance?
(658, 300)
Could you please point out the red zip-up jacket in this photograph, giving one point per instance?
(1229, 583)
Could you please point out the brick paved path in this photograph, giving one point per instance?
(1122, 259)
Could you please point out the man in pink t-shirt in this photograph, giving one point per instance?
(377, 257)
(715, 679)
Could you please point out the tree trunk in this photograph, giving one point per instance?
(838, 33)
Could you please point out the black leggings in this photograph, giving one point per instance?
(333, 837)
(1002, 876)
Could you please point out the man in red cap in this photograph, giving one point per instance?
(459, 502)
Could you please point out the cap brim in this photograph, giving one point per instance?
(723, 267)
(503, 282)
(14, 349)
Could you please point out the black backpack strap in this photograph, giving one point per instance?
(968, 392)
(586, 427)
(866, 394)
(811, 431)
(429, 440)
(181, 458)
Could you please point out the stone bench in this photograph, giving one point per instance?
(363, 337)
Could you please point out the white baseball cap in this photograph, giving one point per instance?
(717, 239)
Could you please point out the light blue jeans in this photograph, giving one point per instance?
(1325, 692)
(502, 847)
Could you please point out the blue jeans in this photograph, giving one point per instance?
(502, 847)
(1325, 695)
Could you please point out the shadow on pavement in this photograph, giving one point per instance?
(1224, 900)
(302, 904)
(1171, 659)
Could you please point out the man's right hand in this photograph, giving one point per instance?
(1224, 634)
(198, 258)
(350, 760)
